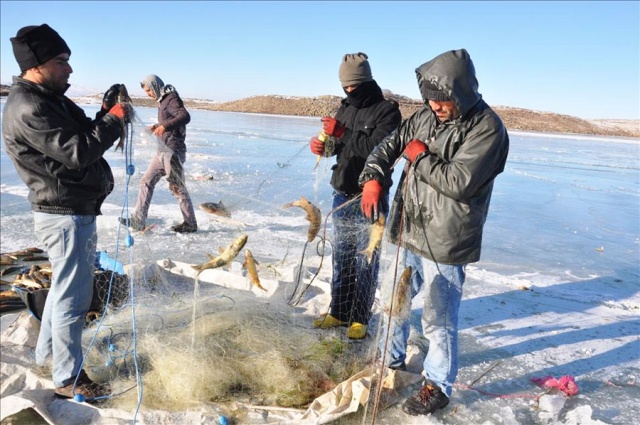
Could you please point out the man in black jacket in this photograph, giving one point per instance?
(58, 153)
(455, 146)
(362, 121)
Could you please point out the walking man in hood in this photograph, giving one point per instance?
(171, 131)
(454, 148)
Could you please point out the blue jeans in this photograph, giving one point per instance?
(354, 279)
(70, 242)
(439, 320)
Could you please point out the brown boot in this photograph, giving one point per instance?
(85, 389)
(426, 400)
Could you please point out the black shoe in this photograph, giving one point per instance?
(426, 400)
(134, 223)
(402, 366)
(185, 228)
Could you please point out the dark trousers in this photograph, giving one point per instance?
(354, 279)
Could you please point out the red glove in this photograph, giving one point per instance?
(371, 194)
(119, 111)
(332, 127)
(413, 149)
(316, 146)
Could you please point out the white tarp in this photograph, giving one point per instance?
(25, 387)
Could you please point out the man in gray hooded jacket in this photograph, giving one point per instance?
(454, 148)
(171, 131)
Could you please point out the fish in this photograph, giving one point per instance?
(34, 258)
(401, 300)
(45, 268)
(41, 278)
(323, 138)
(9, 295)
(225, 257)
(27, 281)
(10, 270)
(375, 238)
(250, 266)
(24, 252)
(313, 215)
(125, 100)
(10, 301)
(217, 209)
(92, 316)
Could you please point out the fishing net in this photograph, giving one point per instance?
(210, 321)
(217, 338)
(230, 348)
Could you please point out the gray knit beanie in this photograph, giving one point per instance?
(354, 69)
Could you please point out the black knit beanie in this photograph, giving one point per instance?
(354, 69)
(34, 45)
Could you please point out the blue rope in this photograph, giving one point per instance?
(130, 170)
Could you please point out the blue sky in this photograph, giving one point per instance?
(575, 58)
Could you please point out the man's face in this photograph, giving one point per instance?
(148, 91)
(444, 110)
(350, 88)
(54, 73)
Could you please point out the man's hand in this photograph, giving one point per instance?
(316, 146)
(413, 149)
(157, 129)
(371, 194)
(333, 127)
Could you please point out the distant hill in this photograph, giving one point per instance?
(514, 118)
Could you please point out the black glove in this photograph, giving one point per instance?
(110, 97)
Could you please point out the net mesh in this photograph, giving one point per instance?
(215, 337)
(167, 336)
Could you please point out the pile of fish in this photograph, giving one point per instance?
(28, 269)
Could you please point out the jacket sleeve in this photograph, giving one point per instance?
(66, 134)
(380, 162)
(179, 114)
(480, 158)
